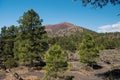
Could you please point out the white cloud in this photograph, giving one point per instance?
(110, 28)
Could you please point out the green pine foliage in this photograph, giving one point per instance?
(69, 43)
(7, 38)
(10, 63)
(99, 3)
(108, 40)
(56, 61)
(88, 50)
(31, 41)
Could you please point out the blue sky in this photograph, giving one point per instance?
(57, 11)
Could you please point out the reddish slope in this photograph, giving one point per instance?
(62, 29)
(55, 28)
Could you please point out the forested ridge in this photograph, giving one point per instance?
(30, 45)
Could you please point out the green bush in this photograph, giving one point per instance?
(10, 63)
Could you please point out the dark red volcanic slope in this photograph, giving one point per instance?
(57, 27)
(64, 29)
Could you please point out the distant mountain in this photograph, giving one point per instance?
(65, 28)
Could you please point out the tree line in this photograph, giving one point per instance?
(27, 45)
(23, 44)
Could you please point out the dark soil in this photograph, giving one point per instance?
(2, 75)
(105, 70)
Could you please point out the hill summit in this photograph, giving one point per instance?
(63, 29)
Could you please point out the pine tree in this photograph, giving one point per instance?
(88, 51)
(7, 44)
(56, 61)
(31, 41)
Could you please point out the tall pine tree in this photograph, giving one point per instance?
(31, 40)
(7, 44)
